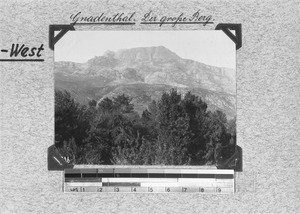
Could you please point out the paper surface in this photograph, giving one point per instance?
(267, 107)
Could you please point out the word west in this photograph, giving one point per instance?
(25, 51)
(196, 18)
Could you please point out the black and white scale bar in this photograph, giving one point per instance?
(143, 180)
(147, 173)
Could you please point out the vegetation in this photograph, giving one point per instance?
(174, 130)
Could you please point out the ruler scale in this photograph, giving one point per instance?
(128, 180)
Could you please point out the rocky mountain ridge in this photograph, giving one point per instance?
(148, 69)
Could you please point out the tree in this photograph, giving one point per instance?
(173, 133)
(123, 104)
(71, 123)
(71, 119)
(106, 106)
(195, 109)
(174, 130)
(92, 103)
(126, 141)
(216, 136)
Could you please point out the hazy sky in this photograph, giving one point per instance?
(211, 47)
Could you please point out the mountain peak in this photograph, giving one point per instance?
(109, 53)
(154, 53)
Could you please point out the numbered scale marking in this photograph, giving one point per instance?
(124, 180)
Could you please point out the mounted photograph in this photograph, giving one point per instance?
(146, 98)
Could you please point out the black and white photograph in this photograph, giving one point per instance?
(149, 106)
(145, 97)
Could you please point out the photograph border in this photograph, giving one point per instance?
(56, 162)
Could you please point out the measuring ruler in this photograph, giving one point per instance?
(140, 180)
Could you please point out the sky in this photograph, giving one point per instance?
(211, 47)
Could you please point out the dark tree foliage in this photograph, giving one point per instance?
(71, 125)
(174, 130)
(92, 103)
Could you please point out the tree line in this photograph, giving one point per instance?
(174, 130)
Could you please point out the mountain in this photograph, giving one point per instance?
(145, 73)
